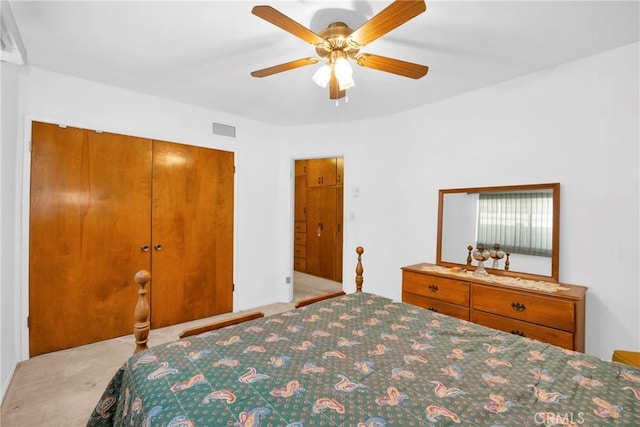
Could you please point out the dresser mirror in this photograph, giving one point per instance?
(458, 225)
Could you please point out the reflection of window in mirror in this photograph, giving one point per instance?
(459, 215)
(521, 223)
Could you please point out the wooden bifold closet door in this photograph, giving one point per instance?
(104, 206)
(192, 233)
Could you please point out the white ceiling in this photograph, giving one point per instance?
(201, 52)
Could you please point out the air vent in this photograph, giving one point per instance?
(224, 130)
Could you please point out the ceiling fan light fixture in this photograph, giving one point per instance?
(322, 75)
(345, 84)
(344, 73)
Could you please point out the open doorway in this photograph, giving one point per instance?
(318, 235)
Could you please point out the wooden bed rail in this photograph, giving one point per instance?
(318, 298)
(143, 325)
(196, 330)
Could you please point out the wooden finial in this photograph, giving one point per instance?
(141, 313)
(506, 263)
(469, 259)
(359, 269)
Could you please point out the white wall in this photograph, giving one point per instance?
(576, 124)
(9, 223)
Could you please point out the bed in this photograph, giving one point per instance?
(365, 360)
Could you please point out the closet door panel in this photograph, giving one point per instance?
(314, 200)
(300, 206)
(192, 233)
(322, 172)
(89, 219)
(321, 231)
(328, 238)
(339, 233)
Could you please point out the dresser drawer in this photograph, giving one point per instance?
(300, 238)
(300, 264)
(300, 251)
(436, 305)
(552, 312)
(541, 333)
(434, 287)
(300, 227)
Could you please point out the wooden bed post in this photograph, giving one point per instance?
(359, 269)
(141, 313)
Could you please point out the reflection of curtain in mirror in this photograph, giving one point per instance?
(521, 223)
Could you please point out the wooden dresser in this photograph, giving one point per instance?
(553, 317)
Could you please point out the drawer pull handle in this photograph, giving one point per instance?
(433, 288)
(517, 306)
(433, 309)
(517, 332)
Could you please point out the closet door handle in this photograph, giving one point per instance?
(144, 248)
(157, 247)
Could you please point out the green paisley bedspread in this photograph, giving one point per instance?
(364, 360)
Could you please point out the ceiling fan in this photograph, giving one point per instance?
(338, 43)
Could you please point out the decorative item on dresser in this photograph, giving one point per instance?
(545, 311)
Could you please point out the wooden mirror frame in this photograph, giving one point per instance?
(555, 248)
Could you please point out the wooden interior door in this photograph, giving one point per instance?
(192, 233)
(89, 219)
(321, 231)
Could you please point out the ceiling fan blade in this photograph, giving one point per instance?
(281, 20)
(284, 67)
(394, 15)
(334, 87)
(390, 65)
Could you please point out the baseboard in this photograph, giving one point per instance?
(5, 386)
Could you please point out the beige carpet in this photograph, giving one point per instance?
(61, 388)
